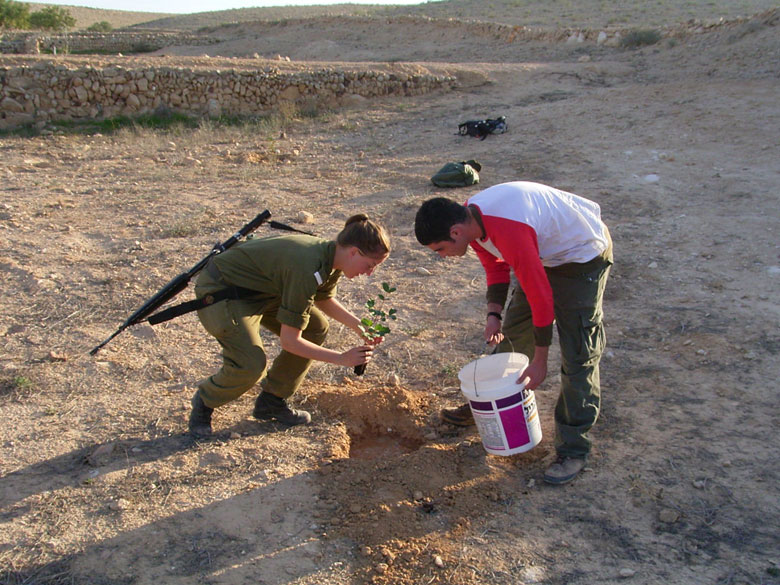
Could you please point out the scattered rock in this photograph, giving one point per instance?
(438, 561)
(101, 455)
(118, 505)
(668, 516)
(305, 217)
(422, 271)
(625, 573)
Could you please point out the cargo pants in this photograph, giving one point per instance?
(236, 326)
(578, 292)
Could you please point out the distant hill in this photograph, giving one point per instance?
(590, 14)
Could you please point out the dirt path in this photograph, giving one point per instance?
(677, 142)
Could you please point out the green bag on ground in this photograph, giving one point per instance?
(457, 174)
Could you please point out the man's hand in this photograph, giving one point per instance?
(536, 371)
(493, 335)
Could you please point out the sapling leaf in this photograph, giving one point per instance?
(372, 327)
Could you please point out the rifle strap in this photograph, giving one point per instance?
(231, 292)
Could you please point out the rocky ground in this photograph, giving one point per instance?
(678, 142)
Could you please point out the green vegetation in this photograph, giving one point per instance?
(640, 38)
(52, 18)
(375, 325)
(102, 26)
(17, 15)
(14, 14)
(22, 382)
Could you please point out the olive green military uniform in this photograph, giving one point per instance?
(289, 273)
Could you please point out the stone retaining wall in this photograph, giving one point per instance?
(97, 43)
(48, 91)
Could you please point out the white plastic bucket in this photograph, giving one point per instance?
(505, 412)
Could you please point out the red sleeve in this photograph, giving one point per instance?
(519, 249)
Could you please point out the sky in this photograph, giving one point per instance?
(192, 6)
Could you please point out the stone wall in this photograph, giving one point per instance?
(97, 43)
(49, 91)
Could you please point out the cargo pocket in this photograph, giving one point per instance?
(218, 319)
(592, 338)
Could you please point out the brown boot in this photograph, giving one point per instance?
(460, 416)
(200, 418)
(271, 407)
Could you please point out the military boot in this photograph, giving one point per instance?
(200, 418)
(271, 407)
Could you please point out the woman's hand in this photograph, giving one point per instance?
(356, 356)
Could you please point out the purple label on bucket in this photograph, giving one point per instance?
(484, 406)
(509, 400)
(515, 429)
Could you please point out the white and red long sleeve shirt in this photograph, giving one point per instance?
(530, 226)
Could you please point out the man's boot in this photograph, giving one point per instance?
(460, 416)
(271, 407)
(200, 418)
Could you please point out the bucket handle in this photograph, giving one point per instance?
(476, 392)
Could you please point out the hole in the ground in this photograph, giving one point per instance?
(378, 422)
(381, 445)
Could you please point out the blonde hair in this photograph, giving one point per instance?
(366, 235)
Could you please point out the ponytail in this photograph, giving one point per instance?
(366, 235)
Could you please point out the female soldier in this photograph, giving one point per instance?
(295, 278)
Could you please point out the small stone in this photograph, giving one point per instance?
(418, 495)
(625, 573)
(438, 561)
(668, 516)
(381, 568)
(423, 271)
(699, 484)
(531, 483)
(653, 265)
(57, 357)
(235, 435)
(101, 455)
(355, 508)
(120, 504)
(305, 217)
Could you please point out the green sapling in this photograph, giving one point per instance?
(375, 325)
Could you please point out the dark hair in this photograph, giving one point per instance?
(366, 235)
(435, 218)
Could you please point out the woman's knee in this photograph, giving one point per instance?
(245, 368)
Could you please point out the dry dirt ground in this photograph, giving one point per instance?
(678, 142)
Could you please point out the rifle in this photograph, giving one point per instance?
(179, 283)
